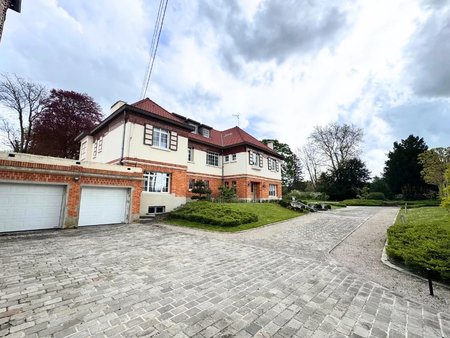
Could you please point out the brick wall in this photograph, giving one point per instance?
(74, 178)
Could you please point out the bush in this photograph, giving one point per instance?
(214, 214)
(303, 195)
(375, 196)
(227, 194)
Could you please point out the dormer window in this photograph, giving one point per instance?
(195, 131)
(205, 132)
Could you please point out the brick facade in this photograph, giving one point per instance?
(73, 177)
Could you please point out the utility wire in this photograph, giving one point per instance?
(154, 45)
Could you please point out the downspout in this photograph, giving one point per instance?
(223, 174)
(123, 137)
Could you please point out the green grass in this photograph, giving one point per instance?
(267, 213)
(380, 203)
(420, 239)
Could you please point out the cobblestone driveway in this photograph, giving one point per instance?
(136, 280)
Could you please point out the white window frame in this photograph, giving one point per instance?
(233, 157)
(206, 132)
(212, 159)
(273, 190)
(158, 185)
(100, 145)
(190, 154)
(227, 158)
(157, 140)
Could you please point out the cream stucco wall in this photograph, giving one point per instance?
(241, 166)
(111, 144)
(136, 148)
(170, 201)
(198, 165)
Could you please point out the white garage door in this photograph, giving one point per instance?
(30, 206)
(103, 206)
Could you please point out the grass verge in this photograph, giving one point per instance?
(420, 239)
(267, 213)
(381, 203)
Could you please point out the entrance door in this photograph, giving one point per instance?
(254, 190)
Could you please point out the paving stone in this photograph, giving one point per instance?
(137, 280)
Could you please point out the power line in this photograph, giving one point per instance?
(154, 45)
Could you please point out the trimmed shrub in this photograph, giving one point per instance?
(213, 214)
(375, 196)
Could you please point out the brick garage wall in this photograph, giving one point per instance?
(73, 177)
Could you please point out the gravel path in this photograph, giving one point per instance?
(361, 252)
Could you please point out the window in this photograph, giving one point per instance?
(227, 158)
(191, 184)
(272, 190)
(156, 209)
(195, 127)
(227, 184)
(205, 132)
(273, 164)
(233, 157)
(190, 154)
(233, 184)
(156, 182)
(160, 138)
(206, 183)
(83, 151)
(212, 159)
(255, 159)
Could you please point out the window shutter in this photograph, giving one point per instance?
(250, 158)
(173, 141)
(261, 163)
(277, 165)
(269, 163)
(148, 135)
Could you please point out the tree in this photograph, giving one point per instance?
(291, 170)
(201, 188)
(24, 100)
(379, 184)
(435, 162)
(65, 115)
(336, 143)
(402, 170)
(346, 181)
(311, 161)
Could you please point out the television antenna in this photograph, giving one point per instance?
(237, 116)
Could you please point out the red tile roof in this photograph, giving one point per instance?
(152, 107)
(227, 138)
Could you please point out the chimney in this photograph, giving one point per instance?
(270, 144)
(117, 105)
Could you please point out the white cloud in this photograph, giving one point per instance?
(217, 59)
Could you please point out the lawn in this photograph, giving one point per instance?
(420, 239)
(266, 213)
(389, 203)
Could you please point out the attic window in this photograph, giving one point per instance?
(205, 132)
(195, 128)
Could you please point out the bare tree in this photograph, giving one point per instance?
(311, 161)
(337, 143)
(24, 99)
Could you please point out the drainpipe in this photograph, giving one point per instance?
(123, 137)
(223, 174)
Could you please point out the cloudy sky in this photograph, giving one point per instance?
(284, 66)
